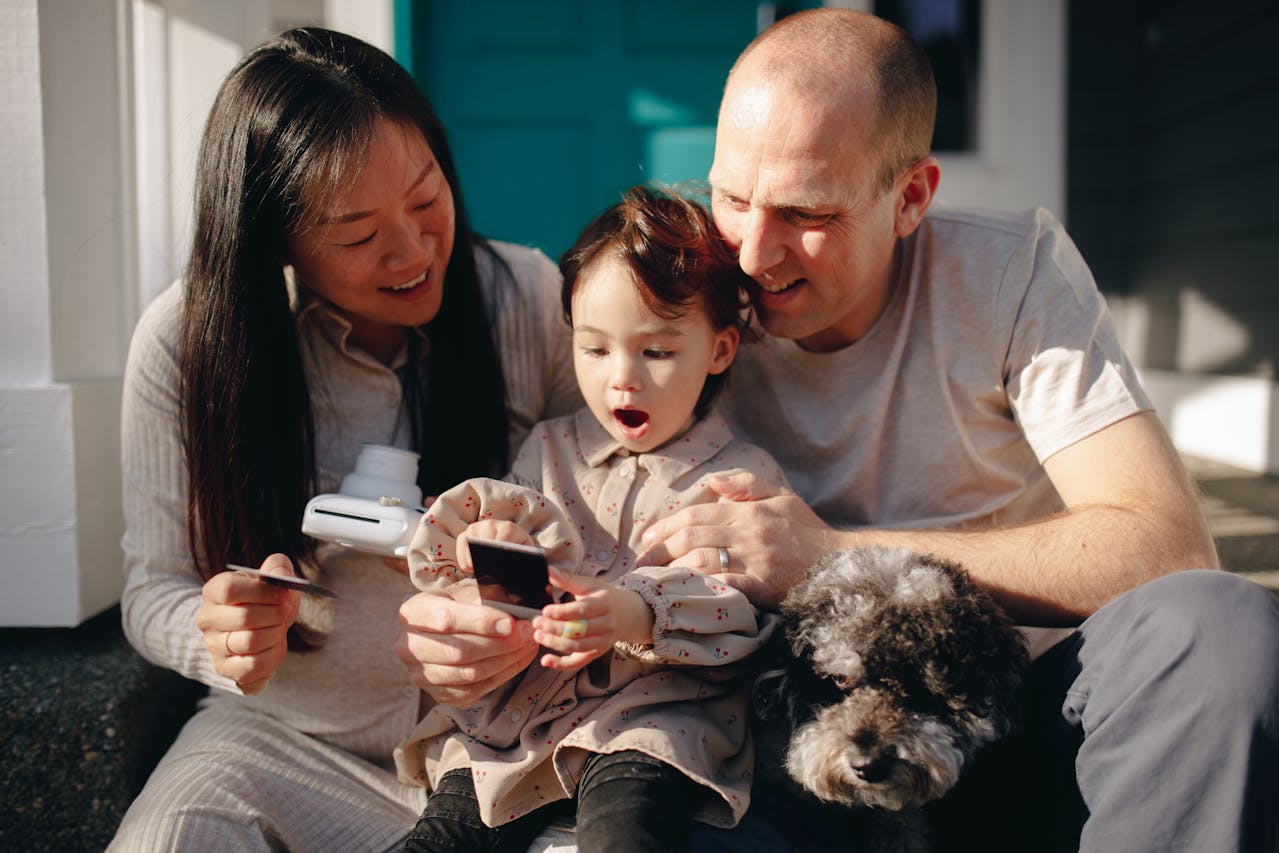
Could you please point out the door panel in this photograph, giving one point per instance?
(555, 108)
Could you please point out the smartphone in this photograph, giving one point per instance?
(511, 577)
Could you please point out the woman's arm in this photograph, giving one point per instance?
(230, 628)
(533, 338)
(162, 592)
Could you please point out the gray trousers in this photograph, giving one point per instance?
(1153, 727)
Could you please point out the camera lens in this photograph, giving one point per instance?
(384, 472)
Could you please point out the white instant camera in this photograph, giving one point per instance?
(378, 507)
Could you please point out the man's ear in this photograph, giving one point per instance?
(916, 189)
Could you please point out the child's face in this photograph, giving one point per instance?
(641, 374)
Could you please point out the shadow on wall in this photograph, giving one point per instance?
(1171, 112)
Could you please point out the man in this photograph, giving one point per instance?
(953, 383)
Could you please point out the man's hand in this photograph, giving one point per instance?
(245, 622)
(457, 652)
(770, 534)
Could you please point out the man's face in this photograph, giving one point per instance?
(794, 190)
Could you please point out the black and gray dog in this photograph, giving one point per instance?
(900, 670)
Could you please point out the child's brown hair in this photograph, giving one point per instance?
(675, 255)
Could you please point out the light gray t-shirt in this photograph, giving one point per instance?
(996, 350)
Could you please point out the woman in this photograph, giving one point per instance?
(335, 296)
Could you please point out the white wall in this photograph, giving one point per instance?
(1228, 419)
(101, 105)
(65, 243)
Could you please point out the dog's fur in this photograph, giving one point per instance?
(900, 670)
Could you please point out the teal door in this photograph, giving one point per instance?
(554, 107)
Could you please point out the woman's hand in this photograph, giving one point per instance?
(493, 529)
(581, 630)
(245, 622)
(457, 652)
(769, 535)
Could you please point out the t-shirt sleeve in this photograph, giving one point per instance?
(1065, 372)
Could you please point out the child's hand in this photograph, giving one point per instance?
(587, 627)
(492, 529)
(399, 564)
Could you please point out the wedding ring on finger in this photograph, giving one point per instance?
(574, 629)
(723, 559)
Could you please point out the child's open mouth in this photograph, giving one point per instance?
(631, 418)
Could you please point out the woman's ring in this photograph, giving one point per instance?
(723, 559)
(574, 629)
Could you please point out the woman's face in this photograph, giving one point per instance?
(379, 254)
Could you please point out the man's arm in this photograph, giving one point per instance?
(1131, 515)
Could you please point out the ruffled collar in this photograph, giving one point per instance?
(666, 464)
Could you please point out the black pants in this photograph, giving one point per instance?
(626, 801)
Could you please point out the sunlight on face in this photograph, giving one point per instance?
(641, 374)
(794, 190)
(380, 254)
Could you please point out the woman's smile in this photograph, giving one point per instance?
(412, 289)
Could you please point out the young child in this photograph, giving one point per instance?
(636, 711)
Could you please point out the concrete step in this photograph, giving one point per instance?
(1243, 514)
(83, 721)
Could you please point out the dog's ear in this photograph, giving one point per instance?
(772, 665)
(803, 607)
(770, 694)
(985, 656)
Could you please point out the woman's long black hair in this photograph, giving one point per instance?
(288, 132)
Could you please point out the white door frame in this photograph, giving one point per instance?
(1020, 161)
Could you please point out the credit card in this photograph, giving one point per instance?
(300, 584)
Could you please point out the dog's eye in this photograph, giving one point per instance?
(843, 682)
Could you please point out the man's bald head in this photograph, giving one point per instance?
(831, 57)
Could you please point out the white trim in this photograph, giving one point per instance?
(370, 20)
(1020, 160)
(1230, 419)
(60, 511)
(26, 357)
(1021, 133)
(66, 216)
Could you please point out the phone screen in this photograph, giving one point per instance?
(511, 577)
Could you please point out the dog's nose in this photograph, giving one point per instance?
(875, 767)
